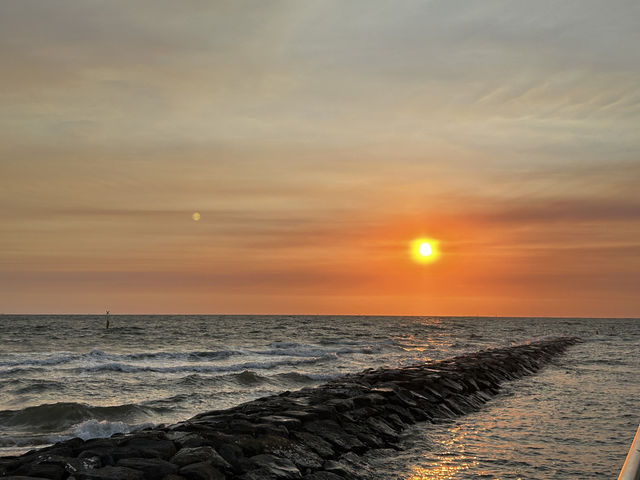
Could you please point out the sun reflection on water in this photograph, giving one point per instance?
(452, 466)
(438, 472)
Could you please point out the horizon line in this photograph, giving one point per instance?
(321, 315)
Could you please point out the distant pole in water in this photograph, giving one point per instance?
(107, 317)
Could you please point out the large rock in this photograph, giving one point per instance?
(201, 471)
(269, 466)
(152, 468)
(333, 433)
(108, 473)
(187, 456)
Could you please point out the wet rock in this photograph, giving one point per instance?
(368, 400)
(420, 415)
(149, 446)
(245, 444)
(453, 406)
(403, 399)
(382, 428)
(394, 420)
(323, 411)
(316, 443)
(109, 473)
(403, 414)
(332, 432)
(322, 475)
(201, 471)
(101, 456)
(187, 456)
(341, 404)
(231, 454)
(339, 468)
(44, 470)
(73, 465)
(95, 444)
(254, 428)
(451, 385)
(290, 423)
(370, 440)
(186, 439)
(365, 434)
(301, 415)
(302, 456)
(152, 468)
(22, 477)
(271, 466)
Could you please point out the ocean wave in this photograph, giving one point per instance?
(236, 367)
(97, 360)
(348, 341)
(278, 344)
(185, 356)
(294, 349)
(248, 377)
(315, 352)
(31, 386)
(12, 441)
(21, 370)
(24, 360)
(54, 417)
(86, 430)
(59, 358)
(245, 377)
(461, 345)
(306, 377)
(104, 429)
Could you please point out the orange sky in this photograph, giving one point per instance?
(317, 139)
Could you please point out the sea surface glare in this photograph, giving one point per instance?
(63, 376)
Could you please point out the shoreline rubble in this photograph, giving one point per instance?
(313, 434)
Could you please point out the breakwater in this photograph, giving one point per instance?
(313, 433)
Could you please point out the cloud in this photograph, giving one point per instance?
(567, 211)
(317, 135)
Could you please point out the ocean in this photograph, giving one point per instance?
(64, 376)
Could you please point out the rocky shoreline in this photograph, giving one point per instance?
(312, 434)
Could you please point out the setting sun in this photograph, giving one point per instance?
(424, 250)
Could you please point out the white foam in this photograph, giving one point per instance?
(103, 429)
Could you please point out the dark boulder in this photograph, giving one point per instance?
(201, 471)
(108, 473)
(152, 468)
(187, 456)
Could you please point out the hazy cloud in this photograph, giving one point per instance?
(322, 134)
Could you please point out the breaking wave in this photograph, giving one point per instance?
(96, 360)
(236, 367)
(60, 416)
(59, 358)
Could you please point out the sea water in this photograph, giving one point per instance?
(64, 376)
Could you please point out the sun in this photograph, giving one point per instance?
(424, 250)
(195, 216)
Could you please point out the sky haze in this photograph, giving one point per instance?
(316, 140)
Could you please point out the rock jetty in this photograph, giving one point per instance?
(312, 434)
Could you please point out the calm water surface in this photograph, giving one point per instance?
(65, 376)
